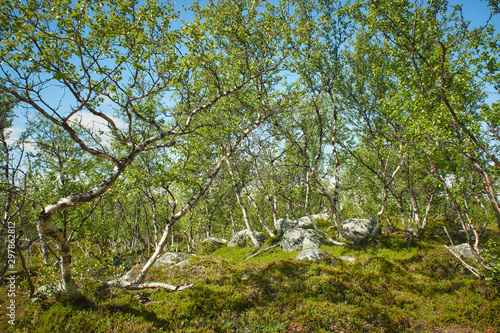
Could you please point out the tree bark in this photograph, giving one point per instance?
(48, 229)
(243, 208)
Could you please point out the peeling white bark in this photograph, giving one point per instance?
(48, 229)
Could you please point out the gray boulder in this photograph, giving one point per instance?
(171, 258)
(298, 239)
(465, 251)
(215, 241)
(310, 254)
(307, 221)
(284, 224)
(242, 238)
(358, 230)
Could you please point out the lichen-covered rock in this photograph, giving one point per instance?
(358, 230)
(214, 240)
(298, 239)
(310, 254)
(465, 251)
(242, 238)
(171, 258)
(307, 221)
(284, 224)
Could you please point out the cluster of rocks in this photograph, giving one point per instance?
(296, 235)
(299, 234)
(305, 222)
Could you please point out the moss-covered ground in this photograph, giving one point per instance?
(389, 287)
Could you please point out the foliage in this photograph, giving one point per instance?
(227, 115)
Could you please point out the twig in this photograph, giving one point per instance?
(473, 270)
(445, 230)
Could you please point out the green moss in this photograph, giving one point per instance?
(205, 248)
(270, 241)
(323, 224)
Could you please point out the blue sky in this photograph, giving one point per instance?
(476, 11)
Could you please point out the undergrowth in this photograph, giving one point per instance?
(389, 287)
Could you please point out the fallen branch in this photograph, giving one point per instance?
(158, 285)
(328, 238)
(325, 235)
(472, 269)
(123, 283)
(263, 250)
(452, 250)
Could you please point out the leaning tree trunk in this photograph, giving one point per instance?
(259, 215)
(464, 218)
(246, 219)
(488, 186)
(50, 230)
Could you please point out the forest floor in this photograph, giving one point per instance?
(389, 287)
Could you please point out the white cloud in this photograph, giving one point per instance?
(96, 123)
(14, 134)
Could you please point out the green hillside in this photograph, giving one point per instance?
(389, 287)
